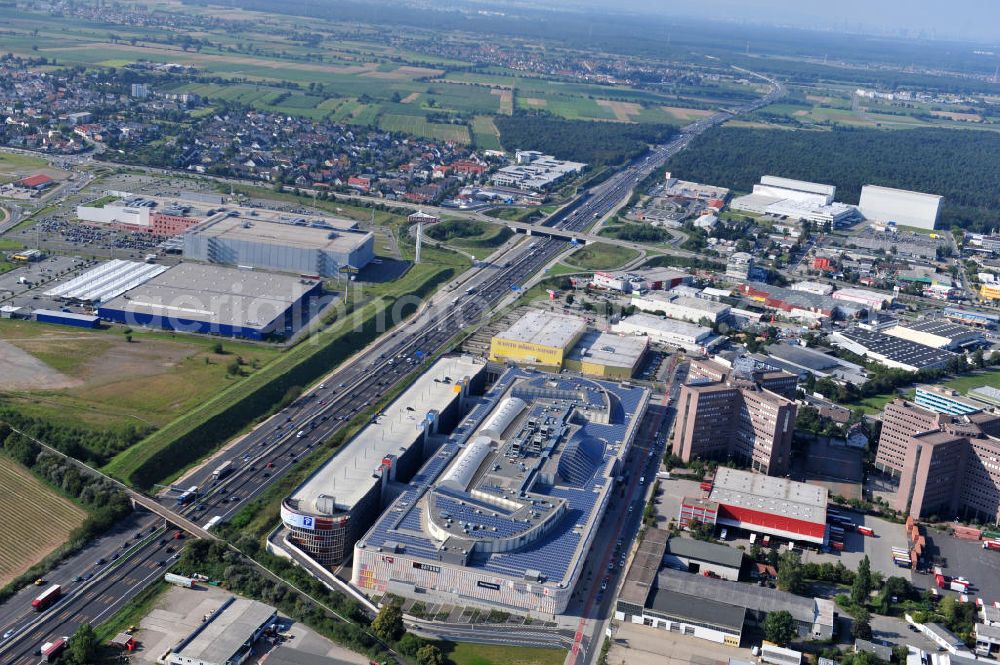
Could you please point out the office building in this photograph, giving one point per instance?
(943, 465)
(538, 338)
(944, 400)
(739, 267)
(683, 308)
(340, 501)
(906, 208)
(939, 334)
(739, 413)
(891, 351)
(505, 511)
(606, 355)
(258, 243)
(226, 636)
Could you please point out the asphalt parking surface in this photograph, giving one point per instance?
(965, 558)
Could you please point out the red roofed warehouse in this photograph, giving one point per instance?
(37, 182)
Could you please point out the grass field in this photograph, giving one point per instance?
(13, 162)
(601, 256)
(464, 653)
(106, 381)
(25, 503)
(485, 134)
(963, 384)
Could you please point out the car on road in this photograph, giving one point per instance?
(101, 561)
(77, 578)
(604, 584)
(6, 636)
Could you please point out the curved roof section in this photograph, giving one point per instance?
(580, 460)
(459, 475)
(508, 410)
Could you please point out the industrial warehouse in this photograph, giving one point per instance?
(206, 299)
(341, 500)
(716, 610)
(504, 512)
(538, 338)
(762, 504)
(311, 250)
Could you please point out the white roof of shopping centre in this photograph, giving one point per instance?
(771, 495)
(347, 477)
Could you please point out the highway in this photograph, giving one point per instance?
(271, 449)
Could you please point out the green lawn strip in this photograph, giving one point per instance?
(465, 653)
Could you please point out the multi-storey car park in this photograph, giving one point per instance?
(506, 510)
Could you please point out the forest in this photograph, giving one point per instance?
(963, 166)
(596, 143)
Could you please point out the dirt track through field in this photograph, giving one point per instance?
(22, 371)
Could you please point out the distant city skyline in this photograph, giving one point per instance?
(962, 20)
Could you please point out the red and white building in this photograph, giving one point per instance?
(764, 504)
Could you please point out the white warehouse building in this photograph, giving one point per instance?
(683, 308)
(885, 204)
(795, 190)
(679, 334)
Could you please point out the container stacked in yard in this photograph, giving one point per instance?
(901, 557)
(966, 532)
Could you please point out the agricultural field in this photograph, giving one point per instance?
(25, 504)
(485, 134)
(16, 163)
(411, 124)
(100, 379)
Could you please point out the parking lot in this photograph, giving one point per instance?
(878, 548)
(964, 558)
(35, 275)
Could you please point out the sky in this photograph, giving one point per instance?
(961, 20)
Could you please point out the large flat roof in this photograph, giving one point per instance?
(214, 294)
(770, 494)
(106, 281)
(897, 349)
(806, 610)
(645, 566)
(701, 550)
(348, 476)
(943, 328)
(227, 631)
(609, 349)
(712, 612)
(281, 233)
(545, 329)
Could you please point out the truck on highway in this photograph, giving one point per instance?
(179, 580)
(46, 598)
(212, 522)
(223, 470)
(51, 650)
(991, 544)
